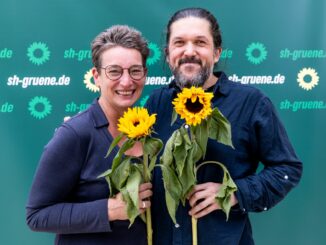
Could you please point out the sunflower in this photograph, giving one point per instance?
(193, 105)
(136, 123)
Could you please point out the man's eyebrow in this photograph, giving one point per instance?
(197, 37)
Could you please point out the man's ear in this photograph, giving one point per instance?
(166, 52)
(217, 54)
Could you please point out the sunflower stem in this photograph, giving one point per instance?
(149, 226)
(148, 210)
(194, 230)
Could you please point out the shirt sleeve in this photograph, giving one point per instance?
(282, 168)
(55, 179)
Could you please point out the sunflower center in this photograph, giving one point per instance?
(194, 107)
(136, 123)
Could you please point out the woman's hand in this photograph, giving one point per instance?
(117, 208)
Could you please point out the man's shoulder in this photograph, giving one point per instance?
(244, 90)
(158, 99)
(164, 90)
(159, 94)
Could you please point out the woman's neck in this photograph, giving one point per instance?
(112, 116)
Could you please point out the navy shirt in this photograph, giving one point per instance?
(258, 136)
(67, 197)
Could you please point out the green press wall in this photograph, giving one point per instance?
(281, 42)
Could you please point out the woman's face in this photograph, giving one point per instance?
(120, 93)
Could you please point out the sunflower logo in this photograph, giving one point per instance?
(155, 54)
(313, 78)
(136, 123)
(39, 107)
(38, 53)
(143, 101)
(193, 105)
(251, 53)
(88, 82)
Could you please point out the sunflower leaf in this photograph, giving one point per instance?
(167, 157)
(174, 117)
(220, 128)
(152, 147)
(117, 159)
(201, 136)
(130, 194)
(112, 188)
(188, 177)
(132, 212)
(181, 147)
(223, 196)
(114, 143)
(121, 173)
(132, 185)
(173, 190)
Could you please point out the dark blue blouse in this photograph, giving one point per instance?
(258, 136)
(67, 198)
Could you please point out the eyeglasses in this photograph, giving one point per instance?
(114, 72)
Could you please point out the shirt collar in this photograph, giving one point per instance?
(222, 85)
(99, 118)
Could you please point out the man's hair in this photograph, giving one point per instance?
(122, 36)
(199, 13)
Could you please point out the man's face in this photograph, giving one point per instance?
(190, 53)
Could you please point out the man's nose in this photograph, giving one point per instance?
(190, 49)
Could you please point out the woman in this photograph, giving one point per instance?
(67, 197)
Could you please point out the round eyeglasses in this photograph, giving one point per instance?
(114, 72)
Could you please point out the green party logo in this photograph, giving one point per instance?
(39, 107)
(308, 78)
(38, 53)
(143, 100)
(253, 49)
(90, 85)
(155, 54)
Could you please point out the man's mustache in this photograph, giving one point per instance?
(190, 60)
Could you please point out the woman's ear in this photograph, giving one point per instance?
(96, 76)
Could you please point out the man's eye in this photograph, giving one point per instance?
(178, 43)
(200, 42)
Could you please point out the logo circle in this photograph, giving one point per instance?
(155, 54)
(35, 47)
(88, 82)
(35, 102)
(256, 47)
(314, 78)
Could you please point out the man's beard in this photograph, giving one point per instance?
(197, 80)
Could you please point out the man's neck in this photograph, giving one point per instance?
(210, 81)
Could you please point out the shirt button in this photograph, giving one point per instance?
(286, 177)
(244, 210)
(265, 208)
(177, 225)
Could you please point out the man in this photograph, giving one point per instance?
(193, 46)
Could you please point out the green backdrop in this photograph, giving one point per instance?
(277, 46)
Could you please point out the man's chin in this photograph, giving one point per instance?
(190, 69)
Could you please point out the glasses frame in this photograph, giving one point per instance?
(116, 79)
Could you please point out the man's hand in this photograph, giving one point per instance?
(202, 199)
